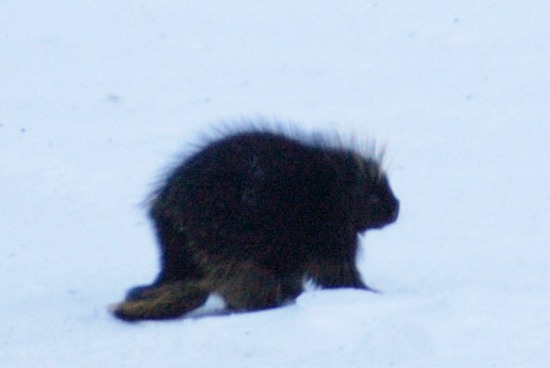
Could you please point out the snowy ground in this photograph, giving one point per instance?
(98, 97)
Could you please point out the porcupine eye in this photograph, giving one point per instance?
(374, 199)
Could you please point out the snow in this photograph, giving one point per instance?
(99, 98)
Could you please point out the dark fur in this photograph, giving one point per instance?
(252, 215)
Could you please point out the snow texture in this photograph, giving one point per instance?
(99, 98)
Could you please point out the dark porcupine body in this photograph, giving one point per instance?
(252, 215)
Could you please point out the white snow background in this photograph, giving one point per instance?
(98, 98)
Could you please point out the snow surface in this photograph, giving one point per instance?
(98, 98)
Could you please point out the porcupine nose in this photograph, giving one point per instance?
(395, 211)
